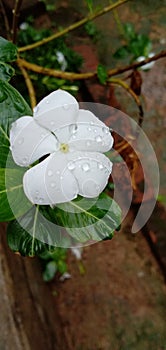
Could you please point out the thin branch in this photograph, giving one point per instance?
(29, 85)
(135, 65)
(136, 98)
(53, 72)
(5, 21)
(76, 25)
(16, 13)
(82, 76)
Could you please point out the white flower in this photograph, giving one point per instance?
(77, 252)
(61, 60)
(148, 65)
(24, 26)
(70, 139)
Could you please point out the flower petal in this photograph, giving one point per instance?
(29, 141)
(57, 110)
(50, 182)
(91, 170)
(90, 134)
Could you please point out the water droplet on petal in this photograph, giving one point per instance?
(20, 141)
(71, 166)
(105, 130)
(100, 166)
(73, 128)
(95, 131)
(41, 200)
(98, 138)
(89, 128)
(91, 123)
(97, 187)
(52, 122)
(85, 167)
(50, 173)
(53, 184)
(58, 172)
(66, 106)
(47, 101)
(25, 160)
(88, 143)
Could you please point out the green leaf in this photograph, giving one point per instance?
(122, 52)
(90, 4)
(50, 271)
(13, 202)
(12, 107)
(8, 51)
(129, 31)
(102, 73)
(19, 240)
(62, 266)
(88, 219)
(6, 71)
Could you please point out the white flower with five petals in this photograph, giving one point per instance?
(69, 143)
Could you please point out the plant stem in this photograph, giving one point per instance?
(76, 25)
(5, 21)
(29, 85)
(88, 75)
(16, 13)
(136, 98)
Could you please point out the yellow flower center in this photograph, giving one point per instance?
(64, 147)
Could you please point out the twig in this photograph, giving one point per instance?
(135, 97)
(78, 24)
(5, 21)
(16, 13)
(82, 76)
(53, 72)
(135, 65)
(29, 85)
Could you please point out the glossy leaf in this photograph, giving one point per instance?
(6, 71)
(12, 107)
(21, 241)
(88, 219)
(8, 52)
(49, 271)
(13, 202)
(102, 73)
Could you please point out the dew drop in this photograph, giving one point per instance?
(58, 172)
(50, 173)
(20, 141)
(100, 166)
(47, 102)
(105, 130)
(88, 143)
(89, 128)
(98, 138)
(53, 184)
(66, 106)
(95, 131)
(41, 200)
(91, 123)
(71, 166)
(85, 167)
(25, 160)
(73, 128)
